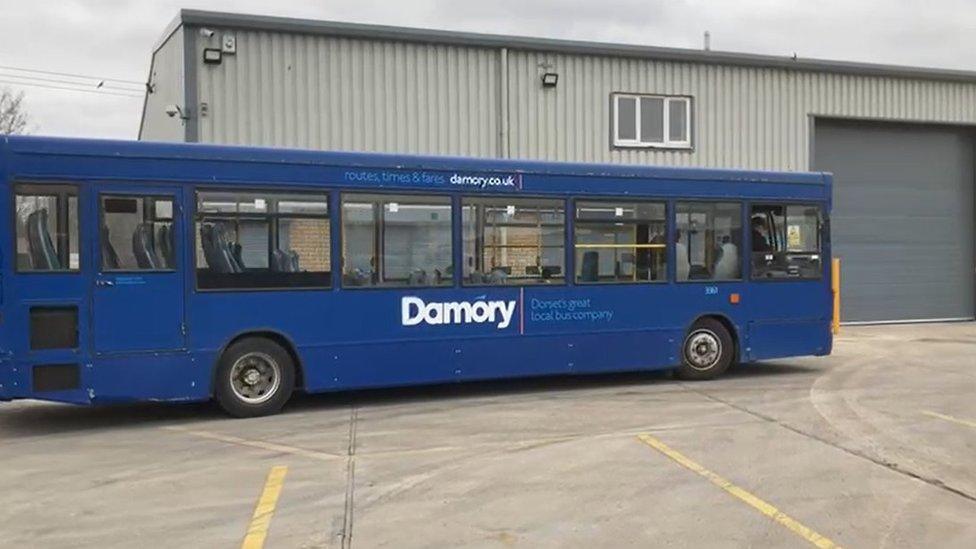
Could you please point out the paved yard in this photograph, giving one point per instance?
(874, 446)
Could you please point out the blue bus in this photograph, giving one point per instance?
(187, 272)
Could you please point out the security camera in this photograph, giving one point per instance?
(206, 33)
(173, 110)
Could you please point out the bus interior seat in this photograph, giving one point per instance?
(279, 263)
(142, 248)
(215, 249)
(283, 261)
(236, 253)
(164, 245)
(549, 271)
(418, 277)
(590, 267)
(357, 277)
(294, 261)
(699, 272)
(231, 252)
(44, 256)
(110, 258)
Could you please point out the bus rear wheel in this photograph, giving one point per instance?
(255, 377)
(707, 351)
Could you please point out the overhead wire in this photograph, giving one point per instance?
(100, 85)
(73, 75)
(67, 88)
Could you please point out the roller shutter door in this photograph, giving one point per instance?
(902, 219)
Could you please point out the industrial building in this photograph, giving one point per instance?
(900, 140)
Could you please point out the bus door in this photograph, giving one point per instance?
(137, 298)
(46, 292)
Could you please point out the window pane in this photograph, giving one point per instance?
(132, 237)
(626, 118)
(300, 246)
(263, 240)
(74, 253)
(678, 120)
(620, 242)
(396, 240)
(785, 241)
(652, 120)
(708, 237)
(47, 231)
(513, 241)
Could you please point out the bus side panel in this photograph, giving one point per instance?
(173, 376)
(788, 318)
(626, 351)
(516, 356)
(789, 338)
(381, 364)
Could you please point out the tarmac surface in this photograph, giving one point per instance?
(874, 446)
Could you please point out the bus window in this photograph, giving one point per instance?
(708, 237)
(247, 239)
(786, 241)
(136, 233)
(620, 242)
(47, 228)
(396, 240)
(513, 241)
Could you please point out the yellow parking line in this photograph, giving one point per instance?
(965, 422)
(261, 520)
(753, 501)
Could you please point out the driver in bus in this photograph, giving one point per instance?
(759, 231)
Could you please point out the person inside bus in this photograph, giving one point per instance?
(682, 265)
(759, 231)
(727, 266)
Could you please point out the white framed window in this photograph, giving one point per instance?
(660, 121)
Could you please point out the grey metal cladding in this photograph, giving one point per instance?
(166, 75)
(434, 36)
(325, 85)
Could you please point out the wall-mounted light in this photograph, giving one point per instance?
(549, 80)
(212, 56)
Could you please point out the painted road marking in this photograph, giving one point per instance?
(753, 501)
(270, 446)
(261, 520)
(965, 422)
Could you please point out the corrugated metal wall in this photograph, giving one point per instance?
(743, 117)
(333, 93)
(166, 76)
(309, 91)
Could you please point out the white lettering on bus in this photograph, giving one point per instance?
(414, 311)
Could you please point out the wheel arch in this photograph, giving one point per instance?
(281, 339)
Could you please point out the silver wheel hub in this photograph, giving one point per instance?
(255, 377)
(703, 349)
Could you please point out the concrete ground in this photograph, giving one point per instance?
(872, 447)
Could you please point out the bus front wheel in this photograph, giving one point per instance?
(707, 351)
(255, 377)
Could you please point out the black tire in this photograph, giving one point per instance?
(707, 351)
(265, 378)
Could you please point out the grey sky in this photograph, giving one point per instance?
(113, 38)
